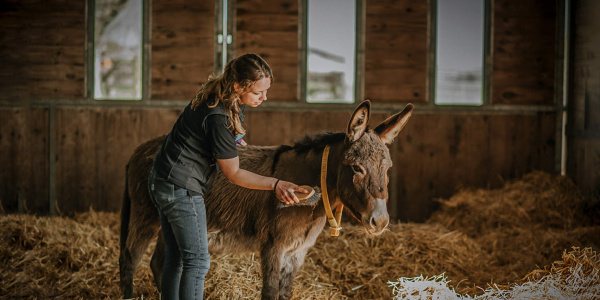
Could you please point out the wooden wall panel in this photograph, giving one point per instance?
(24, 159)
(524, 51)
(583, 127)
(183, 48)
(277, 128)
(270, 29)
(396, 51)
(584, 88)
(42, 49)
(93, 147)
(583, 165)
(439, 153)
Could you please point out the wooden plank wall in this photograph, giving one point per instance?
(275, 127)
(524, 51)
(438, 154)
(183, 43)
(24, 159)
(396, 51)
(583, 127)
(93, 147)
(270, 29)
(439, 150)
(41, 49)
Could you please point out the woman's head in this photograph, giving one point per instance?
(247, 70)
(245, 80)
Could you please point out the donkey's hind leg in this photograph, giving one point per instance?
(291, 264)
(158, 260)
(130, 257)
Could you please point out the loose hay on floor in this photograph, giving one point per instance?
(471, 240)
(575, 277)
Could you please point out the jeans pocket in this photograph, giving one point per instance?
(164, 192)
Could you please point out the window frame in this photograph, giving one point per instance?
(487, 58)
(359, 53)
(146, 44)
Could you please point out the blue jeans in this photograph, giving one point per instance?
(183, 222)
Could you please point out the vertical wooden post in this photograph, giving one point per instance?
(52, 161)
(22, 207)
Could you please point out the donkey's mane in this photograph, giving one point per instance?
(316, 142)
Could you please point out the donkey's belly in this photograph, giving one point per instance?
(229, 242)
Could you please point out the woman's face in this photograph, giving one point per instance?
(257, 93)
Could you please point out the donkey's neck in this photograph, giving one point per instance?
(301, 163)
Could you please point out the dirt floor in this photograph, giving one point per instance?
(479, 240)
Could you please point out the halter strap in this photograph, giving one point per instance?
(334, 222)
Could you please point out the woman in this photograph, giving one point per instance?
(203, 140)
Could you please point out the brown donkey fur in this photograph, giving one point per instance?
(240, 219)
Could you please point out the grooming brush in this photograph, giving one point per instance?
(306, 199)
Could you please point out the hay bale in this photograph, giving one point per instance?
(539, 198)
(525, 224)
(577, 276)
(47, 257)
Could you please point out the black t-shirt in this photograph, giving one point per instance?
(220, 137)
(188, 156)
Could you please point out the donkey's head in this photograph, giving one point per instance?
(363, 174)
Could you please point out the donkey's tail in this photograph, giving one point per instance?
(125, 212)
(126, 267)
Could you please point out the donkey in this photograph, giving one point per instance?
(240, 219)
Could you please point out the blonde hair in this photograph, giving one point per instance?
(244, 70)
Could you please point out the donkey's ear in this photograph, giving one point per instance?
(390, 128)
(358, 122)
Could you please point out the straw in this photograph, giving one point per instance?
(480, 240)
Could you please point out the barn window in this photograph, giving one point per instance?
(459, 52)
(330, 51)
(118, 49)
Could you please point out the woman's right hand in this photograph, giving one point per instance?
(285, 191)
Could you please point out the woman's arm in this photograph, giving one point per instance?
(284, 189)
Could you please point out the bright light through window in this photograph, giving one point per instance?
(118, 49)
(331, 51)
(459, 52)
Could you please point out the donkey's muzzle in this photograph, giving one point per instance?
(378, 219)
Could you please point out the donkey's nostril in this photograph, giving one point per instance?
(373, 223)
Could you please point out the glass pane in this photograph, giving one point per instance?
(118, 49)
(459, 52)
(331, 51)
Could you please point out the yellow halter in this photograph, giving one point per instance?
(334, 222)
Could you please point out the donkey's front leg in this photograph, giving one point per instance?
(271, 261)
(291, 264)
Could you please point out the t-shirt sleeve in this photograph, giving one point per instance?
(220, 137)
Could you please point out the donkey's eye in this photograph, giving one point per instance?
(357, 169)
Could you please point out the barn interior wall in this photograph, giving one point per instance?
(441, 149)
(186, 30)
(583, 125)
